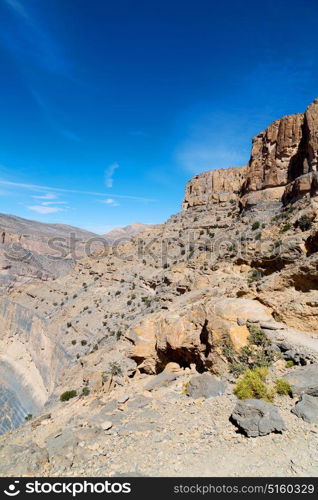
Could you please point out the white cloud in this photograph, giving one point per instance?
(111, 202)
(109, 173)
(47, 203)
(40, 209)
(47, 196)
(36, 187)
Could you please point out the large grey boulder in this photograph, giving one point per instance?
(256, 417)
(205, 385)
(307, 409)
(304, 380)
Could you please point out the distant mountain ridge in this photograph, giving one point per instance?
(35, 250)
(127, 232)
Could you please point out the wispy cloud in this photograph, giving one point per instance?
(111, 202)
(46, 189)
(44, 210)
(18, 8)
(109, 174)
(31, 41)
(47, 196)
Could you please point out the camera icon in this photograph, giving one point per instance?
(13, 491)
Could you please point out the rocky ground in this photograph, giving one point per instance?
(162, 432)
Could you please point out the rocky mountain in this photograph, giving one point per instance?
(34, 250)
(122, 234)
(148, 340)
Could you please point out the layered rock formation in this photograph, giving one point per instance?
(283, 166)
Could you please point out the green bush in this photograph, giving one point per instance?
(85, 391)
(256, 225)
(115, 369)
(255, 275)
(83, 342)
(252, 385)
(285, 228)
(67, 395)
(28, 417)
(282, 387)
(290, 363)
(304, 223)
(257, 336)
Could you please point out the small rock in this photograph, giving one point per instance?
(122, 399)
(172, 367)
(107, 425)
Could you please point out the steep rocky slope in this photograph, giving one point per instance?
(33, 250)
(243, 251)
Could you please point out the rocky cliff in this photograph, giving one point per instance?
(283, 166)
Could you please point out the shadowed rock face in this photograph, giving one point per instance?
(283, 166)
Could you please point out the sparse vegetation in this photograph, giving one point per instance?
(85, 391)
(67, 395)
(290, 363)
(256, 225)
(257, 336)
(252, 385)
(285, 228)
(304, 223)
(115, 369)
(282, 387)
(255, 275)
(28, 417)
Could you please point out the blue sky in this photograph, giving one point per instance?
(109, 106)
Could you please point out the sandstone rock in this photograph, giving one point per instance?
(307, 409)
(189, 333)
(214, 186)
(256, 417)
(206, 386)
(40, 420)
(172, 367)
(304, 380)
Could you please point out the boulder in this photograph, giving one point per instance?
(205, 386)
(307, 409)
(304, 380)
(161, 380)
(256, 417)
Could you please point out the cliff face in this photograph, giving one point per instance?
(283, 166)
(212, 187)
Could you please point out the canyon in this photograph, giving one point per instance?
(127, 327)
